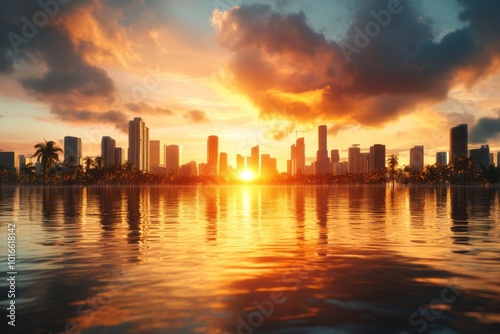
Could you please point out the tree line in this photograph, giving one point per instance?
(93, 171)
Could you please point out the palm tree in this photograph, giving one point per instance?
(392, 165)
(490, 174)
(88, 162)
(28, 172)
(4, 173)
(463, 166)
(70, 167)
(47, 154)
(99, 162)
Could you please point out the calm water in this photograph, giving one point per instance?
(250, 259)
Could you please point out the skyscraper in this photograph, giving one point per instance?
(9, 160)
(442, 158)
(119, 158)
(212, 166)
(108, 146)
(498, 159)
(417, 158)
(377, 157)
(355, 163)
(322, 160)
(73, 149)
(156, 155)
(459, 142)
(334, 156)
(254, 161)
(268, 166)
(365, 162)
(480, 156)
(240, 163)
(138, 144)
(172, 159)
(223, 164)
(300, 156)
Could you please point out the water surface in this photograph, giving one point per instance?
(254, 259)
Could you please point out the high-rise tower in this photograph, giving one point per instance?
(138, 144)
(322, 159)
(212, 167)
(459, 142)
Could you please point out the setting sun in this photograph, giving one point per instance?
(247, 176)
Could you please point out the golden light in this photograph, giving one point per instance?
(247, 176)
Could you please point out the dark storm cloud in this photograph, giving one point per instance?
(70, 83)
(196, 116)
(74, 88)
(143, 107)
(291, 71)
(485, 129)
(116, 117)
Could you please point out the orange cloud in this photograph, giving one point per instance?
(289, 71)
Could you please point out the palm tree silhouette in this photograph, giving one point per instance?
(28, 172)
(47, 154)
(392, 165)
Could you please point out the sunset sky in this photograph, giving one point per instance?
(251, 72)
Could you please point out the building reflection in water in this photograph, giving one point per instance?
(300, 214)
(459, 214)
(417, 206)
(110, 207)
(211, 196)
(322, 195)
(138, 207)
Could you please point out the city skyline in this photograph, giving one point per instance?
(182, 71)
(158, 157)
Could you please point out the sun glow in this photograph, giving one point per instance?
(247, 176)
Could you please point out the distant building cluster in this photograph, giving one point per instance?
(156, 156)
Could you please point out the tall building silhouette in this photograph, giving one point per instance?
(291, 164)
(172, 159)
(9, 160)
(73, 149)
(377, 157)
(334, 156)
(300, 156)
(108, 146)
(355, 163)
(417, 158)
(138, 144)
(119, 156)
(223, 164)
(253, 164)
(156, 155)
(442, 158)
(365, 162)
(459, 142)
(498, 159)
(212, 166)
(297, 158)
(240, 163)
(322, 159)
(268, 166)
(480, 156)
